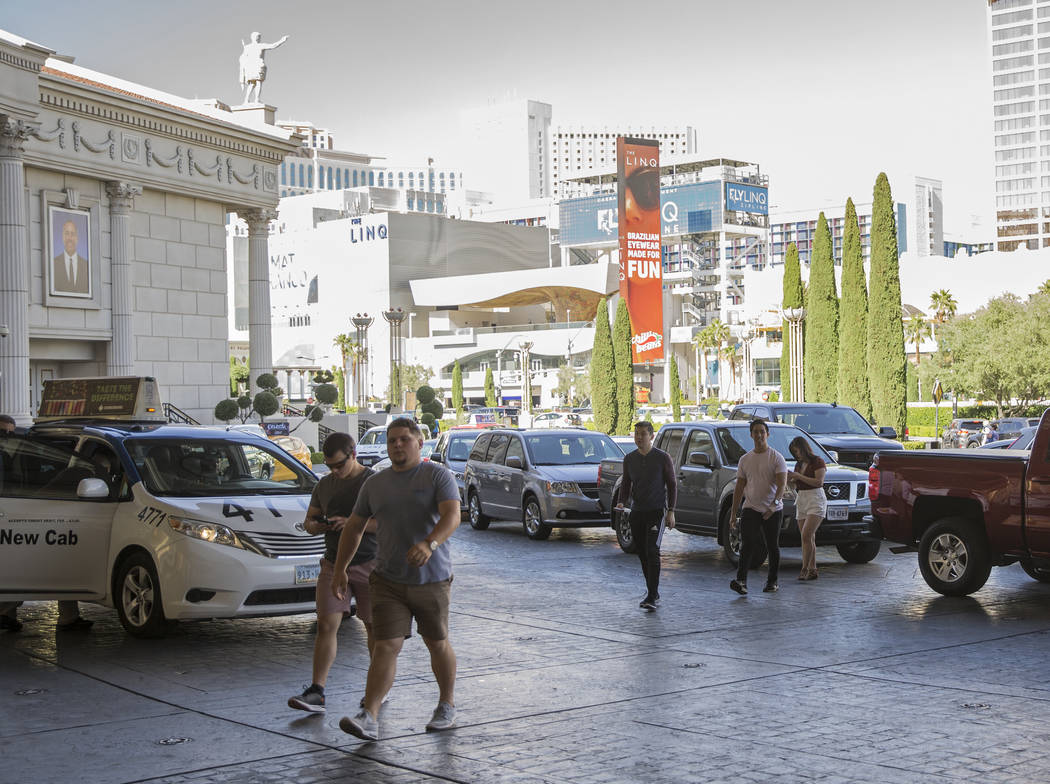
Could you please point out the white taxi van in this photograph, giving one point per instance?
(101, 500)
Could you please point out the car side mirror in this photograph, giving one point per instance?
(834, 455)
(700, 459)
(514, 462)
(887, 432)
(435, 457)
(92, 488)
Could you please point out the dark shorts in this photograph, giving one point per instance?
(394, 605)
(357, 587)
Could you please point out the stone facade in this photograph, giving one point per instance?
(148, 180)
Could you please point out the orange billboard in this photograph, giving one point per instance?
(641, 272)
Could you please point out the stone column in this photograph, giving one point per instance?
(260, 346)
(14, 271)
(122, 348)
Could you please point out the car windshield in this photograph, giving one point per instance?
(1024, 441)
(459, 448)
(204, 468)
(374, 437)
(736, 442)
(836, 419)
(582, 449)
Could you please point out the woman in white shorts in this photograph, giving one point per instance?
(810, 502)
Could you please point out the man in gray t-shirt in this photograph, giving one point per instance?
(416, 508)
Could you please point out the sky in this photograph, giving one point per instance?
(823, 94)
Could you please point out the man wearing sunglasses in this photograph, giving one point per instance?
(330, 505)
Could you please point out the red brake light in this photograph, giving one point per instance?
(873, 482)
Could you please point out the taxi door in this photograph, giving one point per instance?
(52, 544)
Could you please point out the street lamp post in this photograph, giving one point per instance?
(795, 317)
(361, 322)
(526, 386)
(748, 337)
(395, 317)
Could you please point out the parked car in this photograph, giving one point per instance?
(705, 455)
(1023, 441)
(840, 429)
(1010, 428)
(960, 432)
(556, 419)
(371, 447)
(425, 452)
(965, 513)
(626, 443)
(453, 449)
(546, 478)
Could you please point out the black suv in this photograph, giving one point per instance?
(836, 428)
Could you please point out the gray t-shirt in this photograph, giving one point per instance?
(336, 496)
(405, 506)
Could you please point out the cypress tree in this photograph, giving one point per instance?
(457, 388)
(603, 372)
(886, 358)
(676, 391)
(624, 369)
(490, 388)
(822, 320)
(853, 321)
(792, 298)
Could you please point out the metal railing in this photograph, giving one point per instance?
(177, 416)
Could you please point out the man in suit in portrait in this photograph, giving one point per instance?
(70, 273)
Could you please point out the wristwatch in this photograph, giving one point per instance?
(433, 545)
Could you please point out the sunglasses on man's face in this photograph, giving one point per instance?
(644, 185)
(338, 464)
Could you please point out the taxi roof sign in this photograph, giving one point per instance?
(116, 399)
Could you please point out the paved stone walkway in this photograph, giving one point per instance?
(864, 675)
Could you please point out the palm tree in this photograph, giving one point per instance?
(944, 306)
(1045, 288)
(348, 348)
(719, 338)
(702, 342)
(915, 331)
(732, 355)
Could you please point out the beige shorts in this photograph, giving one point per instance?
(811, 502)
(396, 604)
(357, 587)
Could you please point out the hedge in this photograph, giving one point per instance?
(918, 417)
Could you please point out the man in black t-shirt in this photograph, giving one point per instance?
(648, 475)
(332, 502)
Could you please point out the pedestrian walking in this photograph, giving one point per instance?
(330, 506)
(811, 504)
(650, 488)
(761, 477)
(991, 433)
(416, 508)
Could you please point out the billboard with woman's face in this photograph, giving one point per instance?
(641, 271)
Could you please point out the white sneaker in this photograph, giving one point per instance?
(364, 725)
(444, 718)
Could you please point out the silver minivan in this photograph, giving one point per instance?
(545, 478)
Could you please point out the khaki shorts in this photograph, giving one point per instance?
(395, 605)
(811, 502)
(357, 587)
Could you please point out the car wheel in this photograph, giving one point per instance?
(532, 520)
(1036, 572)
(622, 526)
(972, 444)
(953, 557)
(731, 542)
(859, 552)
(138, 597)
(478, 521)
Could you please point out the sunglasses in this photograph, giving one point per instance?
(337, 465)
(644, 185)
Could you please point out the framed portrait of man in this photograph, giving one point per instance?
(69, 268)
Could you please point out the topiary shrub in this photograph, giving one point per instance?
(266, 403)
(326, 394)
(266, 381)
(425, 394)
(225, 410)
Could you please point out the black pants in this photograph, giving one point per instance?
(753, 529)
(645, 529)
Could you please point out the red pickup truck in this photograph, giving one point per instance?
(966, 511)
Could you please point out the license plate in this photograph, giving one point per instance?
(838, 513)
(307, 574)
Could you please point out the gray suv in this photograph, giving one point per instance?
(546, 478)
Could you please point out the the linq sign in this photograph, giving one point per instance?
(746, 198)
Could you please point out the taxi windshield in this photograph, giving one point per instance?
(211, 467)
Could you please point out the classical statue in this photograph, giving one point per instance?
(253, 66)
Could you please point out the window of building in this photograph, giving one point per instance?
(329, 178)
(283, 175)
(346, 177)
(355, 178)
(301, 179)
(1016, 62)
(338, 179)
(371, 178)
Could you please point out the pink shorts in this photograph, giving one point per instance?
(357, 588)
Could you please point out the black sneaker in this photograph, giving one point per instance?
(771, 588)
(9, 624)
(311, 700)
(739, 587)
(648, 604)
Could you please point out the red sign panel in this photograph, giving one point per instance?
(641, 276)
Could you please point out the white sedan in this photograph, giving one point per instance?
(553, 419)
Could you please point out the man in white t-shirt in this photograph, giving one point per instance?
(761, 477)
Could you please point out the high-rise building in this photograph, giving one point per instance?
(508, 147)
(575, 151)
(1020, 40)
